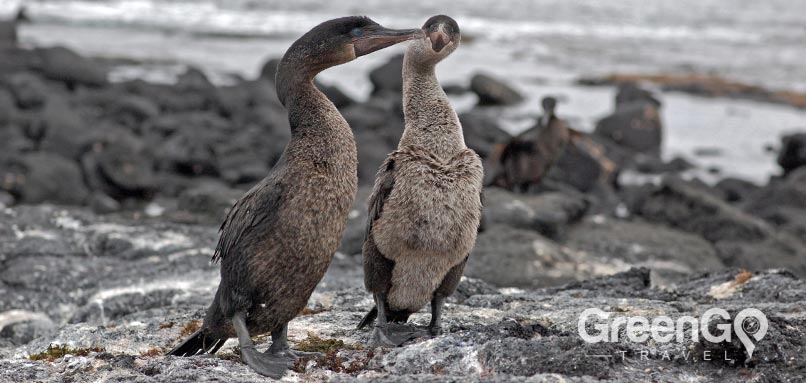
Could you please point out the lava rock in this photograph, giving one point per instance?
(509, 257)
(482, 132)
(388, 77)
(635, 126)
(46, 177)
(8, 33)
(65, 131)
(736, 190)
(629, 93)
(550, 214)
(28, 90)
(492, 91)
(209, 197)
(62, 64)
(670, 254)
(732, 231)
(793, 152)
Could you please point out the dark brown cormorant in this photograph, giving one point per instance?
(279, 238)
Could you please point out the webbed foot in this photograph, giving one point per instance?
(273, 366)
(395, 334)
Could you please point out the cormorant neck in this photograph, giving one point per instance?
(294, 78)
(431, 121)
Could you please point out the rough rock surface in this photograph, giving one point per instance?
(118, 292)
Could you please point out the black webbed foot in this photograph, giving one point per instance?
(273, 366)
(395, 334)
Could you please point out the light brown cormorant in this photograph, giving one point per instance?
(425, 209)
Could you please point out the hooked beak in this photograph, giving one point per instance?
(379, 38)
(439, 40)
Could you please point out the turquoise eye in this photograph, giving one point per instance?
(356, 32)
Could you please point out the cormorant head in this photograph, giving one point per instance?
(341, 40)
(442, 37)
(549, 103)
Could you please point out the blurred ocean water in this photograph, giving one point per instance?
(540, 46)
(762, 42)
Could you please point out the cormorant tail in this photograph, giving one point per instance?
(369, 318)
(196, 344)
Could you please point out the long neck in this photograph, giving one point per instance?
(319, 133)
(431, 121)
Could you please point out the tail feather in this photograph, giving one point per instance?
(196, 344)
(369, 318)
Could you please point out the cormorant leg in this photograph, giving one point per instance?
(435, 327)
(264, 364)
(279, 346)
(388, 334)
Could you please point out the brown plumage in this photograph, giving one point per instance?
(425, 208)
(279, 238)
(523, 162)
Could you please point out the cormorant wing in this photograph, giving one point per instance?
(257, 208)
(384, 182)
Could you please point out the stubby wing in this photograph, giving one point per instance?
(258, 207)
(384, 182)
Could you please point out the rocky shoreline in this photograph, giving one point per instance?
(111, 193)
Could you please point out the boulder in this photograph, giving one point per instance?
(793, 152)
(26, 326)
(789, 192)
(670, 254)
(119, 168)
(6, 199)
(733, 232)
(29, 90)
(335, 95)
(62, 64)
(133, 108)
(482, 132)
(388, 77)
(269, 69)
(510, 257)
(635, 126)
(209, 197)
(352, 241)
(8, 33)
(736, 190)
(45, 177)
(65, 131)
(493, 92)
(550, 213)
(584, 166)
(372, 151)
(628, 93)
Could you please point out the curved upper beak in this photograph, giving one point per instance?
(379, 38)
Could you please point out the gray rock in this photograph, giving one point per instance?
(550, 214)
(21, 327)
(28, 90)
(482, 132)
(388, 77)
(492, 91)
(505, 256)
(131, 309)
(739, 237)
(62, 64)
(8, 33)
(669, 254)
(45, 177)
(635, 126)
(210, 198)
